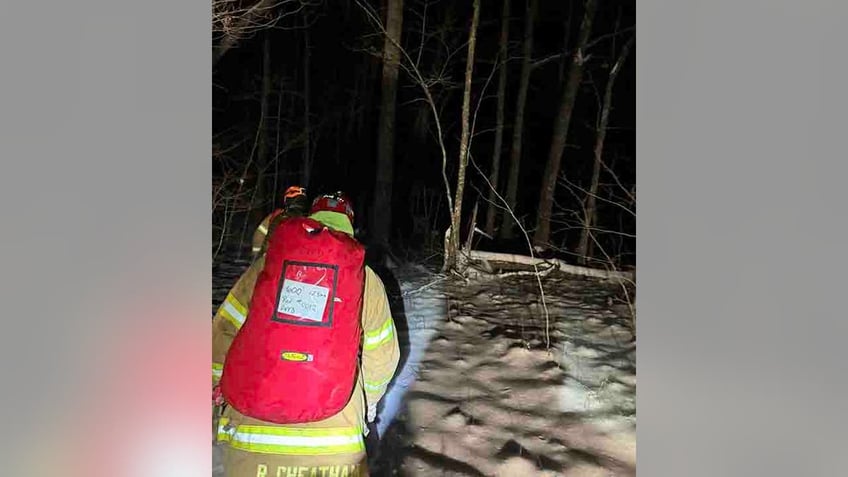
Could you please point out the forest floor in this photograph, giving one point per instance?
(485, 387)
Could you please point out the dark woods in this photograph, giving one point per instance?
(380, 99)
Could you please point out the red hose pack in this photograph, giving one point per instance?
(295, 358)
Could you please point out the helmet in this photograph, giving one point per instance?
(295, 201)
(336, 202)
(295, 191)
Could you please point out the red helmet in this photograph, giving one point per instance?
(337, 202)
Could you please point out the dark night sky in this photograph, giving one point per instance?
(347, 161)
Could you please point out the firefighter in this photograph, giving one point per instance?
(295, 204)
(331, 447)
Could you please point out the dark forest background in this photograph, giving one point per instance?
(299, 88)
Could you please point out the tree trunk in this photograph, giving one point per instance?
(566, 35)
(262, 137)
(583, 249)
(549, 178)
(381, 210)
(279, 126)
(307, 130)
(518, 128)
(453, 244)
(494, 175)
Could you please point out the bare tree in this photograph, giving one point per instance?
(411, 68)
(438, 82)
(494, 174)
(453, 243)
(560, 133)
(518, 127)
(590, 217)
(381, 221)
(565, 36)
(236, 20)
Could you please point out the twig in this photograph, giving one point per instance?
(592, 43)
(570, 185)
(529, 247)
(419, 79)
(543, 273)
(424, 287)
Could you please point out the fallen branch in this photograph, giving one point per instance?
(422, 288)
(556, 263)
(527, 273)
(484, 271)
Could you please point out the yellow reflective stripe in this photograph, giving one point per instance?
(234, 318)
(373, 339)
(217, 370)
(294, 441)
(232, 300)
(223, 435)
(256, 249)
(233, 311)
(375, 386)
(263, 229)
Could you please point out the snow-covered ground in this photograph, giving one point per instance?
(418, 316)
(489, 398)
(480, 393)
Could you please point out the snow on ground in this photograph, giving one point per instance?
(479, 393)
(417, 318)
(491, 399)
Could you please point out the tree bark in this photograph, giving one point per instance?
(560, 133)
(494, 175)
(453, 244)
(381, 209)
(507, 224)
(566, 35)
(590, 218)
(307, 131)
(278, 127)
(262, 139)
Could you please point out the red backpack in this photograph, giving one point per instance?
(295, 358)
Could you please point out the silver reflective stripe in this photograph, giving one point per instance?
(298, 441)
(233, 312)
(291, 441)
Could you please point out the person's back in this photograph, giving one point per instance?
(295, 204)
(331, 446)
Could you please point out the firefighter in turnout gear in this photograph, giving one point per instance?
(295, 204)
(333, 446)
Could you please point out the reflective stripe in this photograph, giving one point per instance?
(373, 339)
(217, 370)
(233, 311)
(263, 229)
(289, 440)
(256, 249)
(223, 432)
(376, 386)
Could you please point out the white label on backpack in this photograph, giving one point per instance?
(303, 300)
